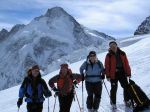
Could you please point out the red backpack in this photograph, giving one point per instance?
(65, 83)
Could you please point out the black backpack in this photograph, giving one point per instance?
(138, 96)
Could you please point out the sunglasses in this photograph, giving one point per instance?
(112, 44)
(92, 55)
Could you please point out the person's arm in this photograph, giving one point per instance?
(22, 90)
(82, 68)
(77, 77)
(102, 71)
(46, 91)
(127, 66)
(52, 81)
(52, 85)
(107, 66)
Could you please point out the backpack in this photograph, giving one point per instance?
(61, 82)
(138, 96)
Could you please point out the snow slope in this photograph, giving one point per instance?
(139, 59)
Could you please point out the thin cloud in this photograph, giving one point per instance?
(114, 17)
(6, 26)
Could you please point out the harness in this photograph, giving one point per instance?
(93, 76)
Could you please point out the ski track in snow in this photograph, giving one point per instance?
(139, 59)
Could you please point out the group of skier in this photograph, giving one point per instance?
(92, 71)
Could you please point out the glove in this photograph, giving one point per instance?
(19, 102)
(102, 77)
(48, 94)
(82, 77)
(75, 82)
(56, 91)
(128, 78)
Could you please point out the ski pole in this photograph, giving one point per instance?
(18, 109)
(48, 104)
(78, 101)
(82, 98)
(54, 103)
(107, 92)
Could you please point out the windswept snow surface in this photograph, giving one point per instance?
(139, 59)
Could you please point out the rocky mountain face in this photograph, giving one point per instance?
(48, 40)
(3, 34)
(144, 28)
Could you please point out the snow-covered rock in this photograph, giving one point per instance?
(47, 40)
(144, 28)
(16, 28)
(3, 34)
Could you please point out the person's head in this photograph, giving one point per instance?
(113, 46)
(35, 70)
(64, 69)
(92, 56)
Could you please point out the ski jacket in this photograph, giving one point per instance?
(34, 91)
(93, 72)
(110, 64)
(64, 83)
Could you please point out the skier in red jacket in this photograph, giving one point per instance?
(117, 69)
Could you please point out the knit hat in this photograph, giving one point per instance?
(35, 67)
(92, 52)
(112, 42)
(65, 65)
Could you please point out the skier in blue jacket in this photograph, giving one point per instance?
(94, 74)
(33, 88)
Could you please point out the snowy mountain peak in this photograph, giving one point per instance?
(55, 12)
(3, 34)
(4, 30)
(16, 28)
(48, 41)
(144, 28)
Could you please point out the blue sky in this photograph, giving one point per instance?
(118, 18)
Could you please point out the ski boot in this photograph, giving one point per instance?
(114, 106)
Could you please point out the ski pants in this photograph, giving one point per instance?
(65, 102)
(94, 91)
(119, 76)
(35, 107)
